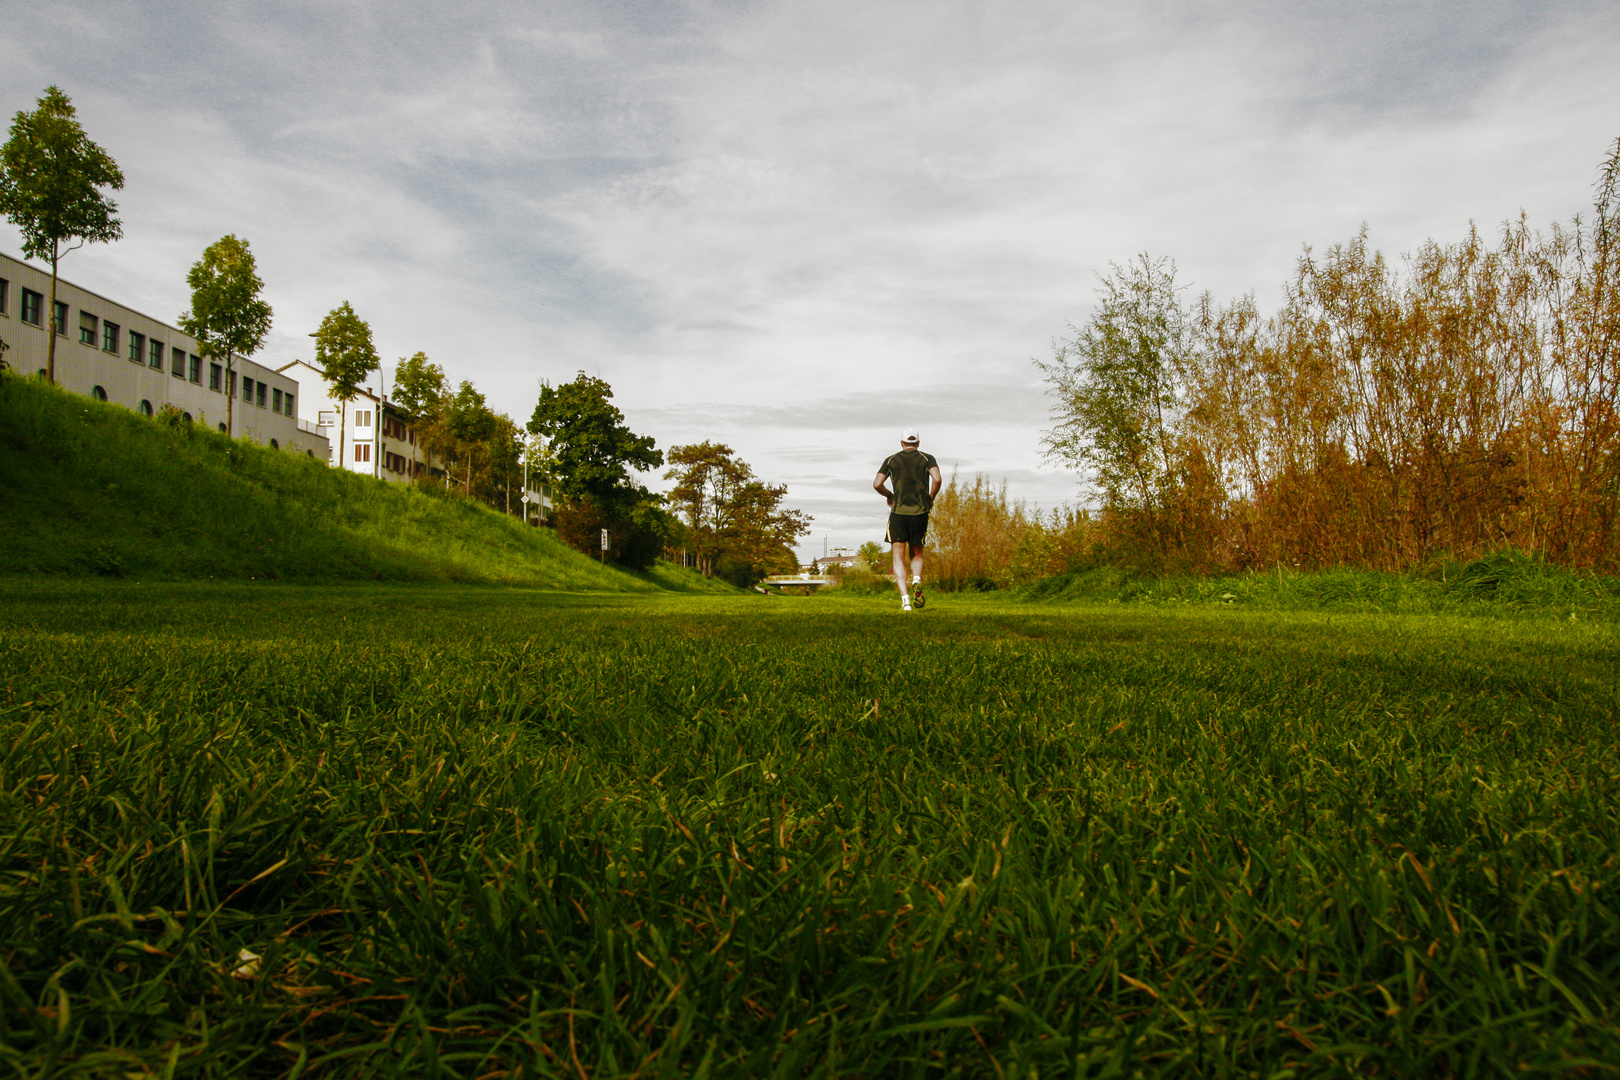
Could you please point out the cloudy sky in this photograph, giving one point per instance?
(796, 227)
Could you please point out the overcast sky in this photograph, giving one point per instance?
(796, 227)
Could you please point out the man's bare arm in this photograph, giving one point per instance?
(881, 488)
(934, 482)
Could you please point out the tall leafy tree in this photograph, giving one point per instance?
(51, 181)
(420, 389)
(471, 425)
(343, 350)
(760, 533)
(418, 384)
(228, 317)
(590, 449)
(730, 513)
(1118, 386)
(587, 459)
(706, 475)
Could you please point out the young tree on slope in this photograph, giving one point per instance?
(51, 176)
(420, 389)
(471, 426)
(343, 350)
(227, 315)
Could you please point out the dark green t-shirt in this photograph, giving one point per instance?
(908, 476)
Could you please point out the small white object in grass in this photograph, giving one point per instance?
(249, 967)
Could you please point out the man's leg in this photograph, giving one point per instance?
(899, 551)
(917, 596)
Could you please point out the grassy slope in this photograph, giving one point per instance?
(92, 488)
(670, 836)
(1506, 582)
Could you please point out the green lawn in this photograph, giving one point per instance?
(479, 832)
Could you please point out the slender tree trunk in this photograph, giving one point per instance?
(230, 394)
(343, 425)
(50, 323)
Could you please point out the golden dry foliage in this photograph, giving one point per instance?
(1463, 404)
(1462, 401)
(979, 538)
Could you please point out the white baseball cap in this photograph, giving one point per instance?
(910, 434)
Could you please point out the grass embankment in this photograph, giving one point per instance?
(475, 831)
(92, 488)
(1502, 583)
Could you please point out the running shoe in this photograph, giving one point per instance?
(918, 600)
(905, 603)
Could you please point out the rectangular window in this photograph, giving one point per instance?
(259, 395)
(137, 347)
(215, 374)
(109, 336)
(32, 304)
(154, 354)
(5, 296)
(61, 318)
(194, 372)
(177, 361)
(362, 451)
(362, 418)
(87, 328)
(275, 400)
(287, 405)
(247, 389)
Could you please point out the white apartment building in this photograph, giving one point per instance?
(378, 437)
(113, 353)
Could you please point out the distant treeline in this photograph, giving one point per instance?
(1461, 401)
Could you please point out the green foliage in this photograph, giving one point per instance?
(861, 580)
(228, 317)
(419, 386)
(872, 556)
(343, 350)
(345, 355)
(469, 832)
(1116, 384)
(590, 449)
(638, 529)
(51, 176)
(81, 480)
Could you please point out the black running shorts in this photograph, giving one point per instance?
(907, 529)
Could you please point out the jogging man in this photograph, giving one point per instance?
(916, 482)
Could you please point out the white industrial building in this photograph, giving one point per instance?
(113, 353)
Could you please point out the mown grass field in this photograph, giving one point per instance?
(478, 832)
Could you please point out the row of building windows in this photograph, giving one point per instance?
(149, 351)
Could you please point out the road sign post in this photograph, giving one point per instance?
(604, 545)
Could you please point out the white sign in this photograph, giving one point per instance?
(525, 496)
(604, 540)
